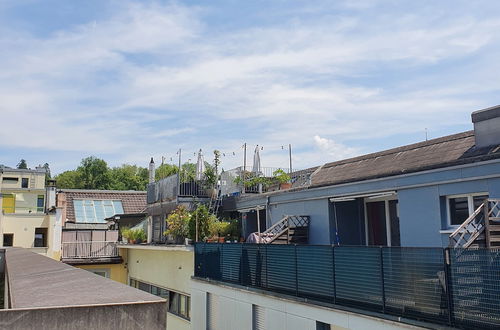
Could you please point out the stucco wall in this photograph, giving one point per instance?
(421, 208)
(235, 312)
(318, 210)
(23, 227)
(117, 272)
(166, 268)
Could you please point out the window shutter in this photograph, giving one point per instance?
(259, 317)
(212, 311)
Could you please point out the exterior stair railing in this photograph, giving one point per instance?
(477, 223)
(279, 228)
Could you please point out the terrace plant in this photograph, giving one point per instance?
(178, 223)
(137, 235)
(205, 221)
(281, 176)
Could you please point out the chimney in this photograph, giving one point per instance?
(487, 126)
(151, 171)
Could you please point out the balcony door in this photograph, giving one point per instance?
(382, 221)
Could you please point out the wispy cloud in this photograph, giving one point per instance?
(332, 80)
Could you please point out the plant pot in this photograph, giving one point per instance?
(188, 241)
(138, 241)
(222, 239)
(286, 185)
(133, 241)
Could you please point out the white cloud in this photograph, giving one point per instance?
(152, 78)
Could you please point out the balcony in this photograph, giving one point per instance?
(90, 252)
(455, 287)
(239, 180)
(168, 189)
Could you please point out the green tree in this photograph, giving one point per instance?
(22, 164)
(128, 177)
(205, 223)
(69, 180)
(94, 173)
(164, 171)
(188, 172)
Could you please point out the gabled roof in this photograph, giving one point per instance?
(456, 149)
(132, 201)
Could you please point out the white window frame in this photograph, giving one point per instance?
(470, 206)
(386, 200)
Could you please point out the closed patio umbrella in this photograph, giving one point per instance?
(256, 168)
(200, 166)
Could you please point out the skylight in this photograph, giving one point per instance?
(95, 211)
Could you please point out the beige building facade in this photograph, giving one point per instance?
(28, 218)
(165, 271)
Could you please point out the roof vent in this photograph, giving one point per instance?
(487, 126)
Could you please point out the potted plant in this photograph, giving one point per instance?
(125, 234)
(282, 178)
(178, 224)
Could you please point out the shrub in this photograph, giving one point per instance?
(178, 222)
(205, 222)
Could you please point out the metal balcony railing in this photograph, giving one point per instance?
(455, 287)
(89, 250)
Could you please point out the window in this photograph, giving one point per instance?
(101, 272)
(258, 317)
(322, 326)
(177, 303)
(460, 207)
(92, 211)
(24, 182)
(8, 239)
(10, 180)
(40, 237)
(39, 203)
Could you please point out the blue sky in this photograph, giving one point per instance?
(127, 80)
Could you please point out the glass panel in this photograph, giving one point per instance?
(174, 303)
(118, 207)
(79, 215)
(144, 286)
(478, 200)
(188, 307)
(459, 210)
(182, 307)
(377, 232)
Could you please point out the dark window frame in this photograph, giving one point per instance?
(25, 182)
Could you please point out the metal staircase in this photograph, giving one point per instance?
(481, 229)
(292, 229)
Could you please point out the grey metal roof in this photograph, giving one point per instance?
(456, 149)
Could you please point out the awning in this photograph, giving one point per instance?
(370, 196)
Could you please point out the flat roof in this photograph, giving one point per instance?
(36, 281)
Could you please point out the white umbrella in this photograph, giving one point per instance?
(200, 166)
(256, 161)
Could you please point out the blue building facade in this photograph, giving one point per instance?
(414, 195)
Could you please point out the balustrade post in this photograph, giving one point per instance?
(448, 284)
(296, 273)
(382, 277)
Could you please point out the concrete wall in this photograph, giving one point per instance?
(149, 316)
(235, 312)
(170, 268)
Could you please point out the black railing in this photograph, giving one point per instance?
(459, 288)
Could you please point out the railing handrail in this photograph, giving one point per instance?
(89, 242)
(466, 223)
